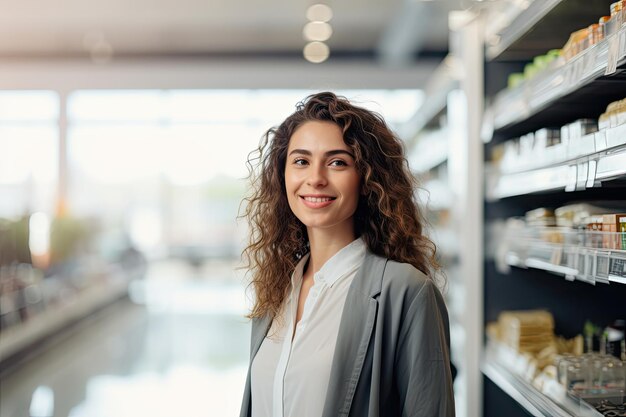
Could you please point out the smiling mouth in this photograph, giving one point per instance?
(318, 199)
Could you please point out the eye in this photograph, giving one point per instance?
(338, 163)
(300, 161)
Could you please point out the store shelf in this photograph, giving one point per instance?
(611, 166)
(57, 317)
(532, 400)
(430, 151)
(450, 116)
(436, 195)
(447, 242)
(513, 259)
(591, 257)
(577, 89)
(515, 25)
(585, 147)
(586, 171)
(580, 88)
(435, 99)
(520, 33)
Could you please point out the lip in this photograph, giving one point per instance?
(317, 205)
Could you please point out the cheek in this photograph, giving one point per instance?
(291, 184)
(353, 188)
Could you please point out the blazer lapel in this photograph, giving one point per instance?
(260, 327)
(259, 331)
(355, 330)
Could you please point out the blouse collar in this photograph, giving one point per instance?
(346, 260)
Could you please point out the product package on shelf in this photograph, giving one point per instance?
(526, 331)
(523, 343)
(580, 241)
(615, 115)
(549, 146)
(578, 42)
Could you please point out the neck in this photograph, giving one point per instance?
(324, 245)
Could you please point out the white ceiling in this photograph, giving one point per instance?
(215, 28)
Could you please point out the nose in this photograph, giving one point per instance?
(317, 176)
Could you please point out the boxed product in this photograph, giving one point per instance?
(526, 331)
(540, 217)
(575, 215)
(614, 115)
(613, 224)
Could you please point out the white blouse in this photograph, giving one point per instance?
(290, 374)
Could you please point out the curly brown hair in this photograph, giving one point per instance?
(387, 217)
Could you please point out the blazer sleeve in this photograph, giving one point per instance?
(422, 361)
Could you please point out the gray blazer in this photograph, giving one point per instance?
(392, 353)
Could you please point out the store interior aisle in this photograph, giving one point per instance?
(178, 346)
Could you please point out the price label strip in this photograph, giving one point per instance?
(572, 177)
(581, 176)
(591, 174)
(613, 54)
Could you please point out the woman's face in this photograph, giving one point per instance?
(321, 179)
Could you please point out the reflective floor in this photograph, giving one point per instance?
(179, 347)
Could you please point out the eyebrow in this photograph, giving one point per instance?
(326, 154)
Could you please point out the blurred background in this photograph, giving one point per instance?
(124, 133)
(125, 128)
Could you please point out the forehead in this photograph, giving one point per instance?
(317, 135)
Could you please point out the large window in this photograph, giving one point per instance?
(168, 166)
(28, 152)
(162, 169)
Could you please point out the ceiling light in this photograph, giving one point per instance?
(317, 31)
(319, 13)
(316, 52)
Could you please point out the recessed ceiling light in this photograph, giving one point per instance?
(319, 13)
(317, 31)
(316, 52)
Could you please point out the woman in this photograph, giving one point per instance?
(347, 320)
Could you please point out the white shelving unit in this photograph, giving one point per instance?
(578, 174)
(511, 22)
(532, 96)
(430, 149)
(585, 169)
(442, 82)
(591, 257)
(448, 160)
(503, 32)
(528, 397)
(591, 146)
(505, 367)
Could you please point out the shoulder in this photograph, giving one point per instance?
(403, 279)
(408, 292)
(392, 282)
